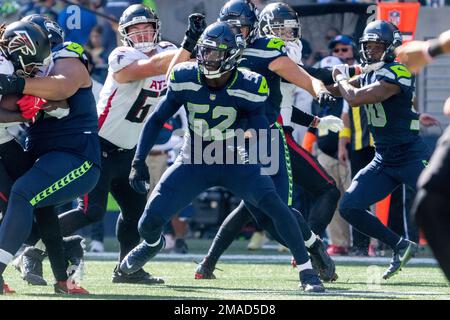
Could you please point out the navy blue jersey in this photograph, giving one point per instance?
(213, 113)
(257, 57)
(77, 132)
(393, 121)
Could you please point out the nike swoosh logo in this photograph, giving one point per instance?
(127, 264)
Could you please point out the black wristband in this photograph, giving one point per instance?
(11, 84)
(188, 44)
(435, 48)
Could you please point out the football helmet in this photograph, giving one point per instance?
(27, 47)
(239, 14)
(381, 32)
(219, 50)
(143, 40)
(280, 20)
(54, 31)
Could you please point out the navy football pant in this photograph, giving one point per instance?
(370, 185)
(432, 203)
(182, 182)
(92, 207)
(55, 178)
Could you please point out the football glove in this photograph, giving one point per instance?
(30, 106)
(11, 84)
(139, 176)
(325, 98)
(331, 123)
(196, 26)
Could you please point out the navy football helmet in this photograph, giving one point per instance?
(240, 14)
(54, 31)
(219, 50)
(280, 20)
(381, 32)
(136, 14)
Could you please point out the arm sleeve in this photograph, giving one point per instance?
(323, 74)
(165, 109)
(301, 118)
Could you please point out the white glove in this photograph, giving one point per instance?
(343, 69)
(366, 68)
(331, 123)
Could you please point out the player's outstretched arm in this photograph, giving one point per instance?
(144, 68)
(66, 78)
(182, 55)
(290, 71)
(417, 54)
(7, 116)
(373, 93)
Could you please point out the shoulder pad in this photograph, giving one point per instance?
(165, 45)
(70, 50)
(395, 73)
(184, 71)
(121, 57)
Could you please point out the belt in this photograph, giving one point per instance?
(157, 152)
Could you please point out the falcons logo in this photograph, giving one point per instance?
(23, 43)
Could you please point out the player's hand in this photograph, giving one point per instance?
(196, 26)
(30, 106)
(413, 55)
(331, 123)
(428, 120)
(343, 69)
(139, 177)
(367, 68)
(325, 98)
(11, 84)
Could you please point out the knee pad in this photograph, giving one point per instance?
(150, 227)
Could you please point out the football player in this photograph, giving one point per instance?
(203, 87)
(135, 84)
(432, 205)
(268, 57)
(64, 151)
(400, 153)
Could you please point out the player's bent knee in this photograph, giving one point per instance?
(150, 227)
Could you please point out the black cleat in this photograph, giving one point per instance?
(29, 264)
(204, 271)
(322, 262)
(74, 249)
(400, 258)
(138, 277)
(310, 282)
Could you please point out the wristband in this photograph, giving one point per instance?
(315, 122)
(435, 48)
(345, 133)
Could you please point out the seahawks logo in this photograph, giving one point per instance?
(22, 42)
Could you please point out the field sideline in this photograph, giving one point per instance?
(238, 280)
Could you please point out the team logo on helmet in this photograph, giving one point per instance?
(394, 17)
(23, 43)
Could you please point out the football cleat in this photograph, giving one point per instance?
(400, 258)
(322, 262)
(138, 257)
(310, 282)
(204, 271)
(74, 249)
(138, 277)
(29, 264)
(69, 287)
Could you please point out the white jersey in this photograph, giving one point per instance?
(288, 90)
(6, 67)
(123, 107)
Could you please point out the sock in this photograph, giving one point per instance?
(311, 240)
(304, 266)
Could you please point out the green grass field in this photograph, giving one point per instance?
(244, 281)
